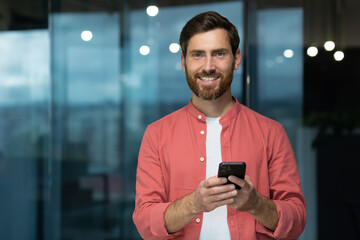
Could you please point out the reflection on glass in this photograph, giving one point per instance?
(24, 132)
(280, 80)
(288, 53)
(87, 132)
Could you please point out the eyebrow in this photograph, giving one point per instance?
(221, 50)
(213, 51)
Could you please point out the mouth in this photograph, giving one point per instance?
(208, 79)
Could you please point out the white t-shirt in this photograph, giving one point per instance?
(214, 224)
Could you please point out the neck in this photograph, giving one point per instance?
(214, 108)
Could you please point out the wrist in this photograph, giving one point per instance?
(258, 205)
(192, 205)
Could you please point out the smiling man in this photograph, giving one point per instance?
(178, 193)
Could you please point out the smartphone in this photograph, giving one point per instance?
(232, 168)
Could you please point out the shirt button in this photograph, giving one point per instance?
(202, 132)
(202, 159)
(197, 220)
(199, 117)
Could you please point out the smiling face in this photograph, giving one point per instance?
(209, 64)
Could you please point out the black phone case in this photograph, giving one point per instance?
(232, 168)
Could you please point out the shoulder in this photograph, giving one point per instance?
(258, 119)
(169, 120)
(256, 124)
(159, 131)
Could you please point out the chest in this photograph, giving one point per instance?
(184, 157)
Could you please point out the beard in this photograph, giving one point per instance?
(209, 92)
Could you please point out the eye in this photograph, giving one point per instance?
(219, 54)
(196, 55)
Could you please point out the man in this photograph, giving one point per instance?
(178, 193)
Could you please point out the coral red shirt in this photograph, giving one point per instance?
(172, 162)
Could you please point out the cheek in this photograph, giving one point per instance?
(192, 70)
(227, 67)
(193, 66)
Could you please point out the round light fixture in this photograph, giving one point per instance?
(329, 45)
(144, 50)
(312, 51)
(339, 55)
(174, 47)
(152, 11)
(86, 35)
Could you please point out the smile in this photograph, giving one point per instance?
(208, 79)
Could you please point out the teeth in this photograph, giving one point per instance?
(208, 78)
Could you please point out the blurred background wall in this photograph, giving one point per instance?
(81, 79)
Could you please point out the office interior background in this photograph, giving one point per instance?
(81, 79)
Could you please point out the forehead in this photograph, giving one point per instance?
(214, 39)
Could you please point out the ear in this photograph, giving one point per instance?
(183, 62)
(237, 59)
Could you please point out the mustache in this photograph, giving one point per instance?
(211, 73)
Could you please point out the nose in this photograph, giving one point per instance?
(209, 65)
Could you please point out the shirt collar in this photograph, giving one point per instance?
(232, 113)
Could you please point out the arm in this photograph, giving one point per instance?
(260, 207)
(151, 198)
(283, 215)
(285, 187)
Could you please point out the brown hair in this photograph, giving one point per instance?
(205, 22)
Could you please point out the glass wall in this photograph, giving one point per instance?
(24, 130)
(277, 90)
(81, 80)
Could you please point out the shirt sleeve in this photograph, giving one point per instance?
(151, 198)
(285, 188)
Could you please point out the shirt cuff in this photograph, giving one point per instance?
(285, 224)
(157, 222)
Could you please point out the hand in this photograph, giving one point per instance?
(260, 207)
(247, 198)
(212, 193)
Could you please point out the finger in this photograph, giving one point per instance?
(217, 190)
(214, 181)
(241, 182)
(248, 183)
(248, 179)
(217, 204)
(223, 196)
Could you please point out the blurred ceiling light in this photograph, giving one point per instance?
(312, 51)
(174, 47)
(329, 45)
(144, 50)
(86, 35)
(339, 55)
(152, 11)
(288, 53)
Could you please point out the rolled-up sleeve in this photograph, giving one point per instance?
(151, 198)
(285, 188)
